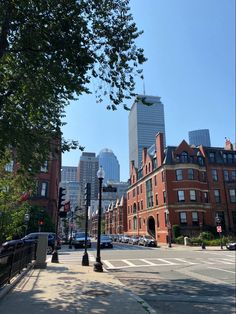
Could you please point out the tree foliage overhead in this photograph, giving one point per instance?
(50, 50)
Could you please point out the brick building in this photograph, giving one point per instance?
(185, 185)
(116, 217)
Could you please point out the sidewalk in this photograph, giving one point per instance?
(63, 288)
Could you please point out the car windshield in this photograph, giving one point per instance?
(80, 235)
(105, 237)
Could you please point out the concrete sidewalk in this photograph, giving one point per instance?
(63, 288)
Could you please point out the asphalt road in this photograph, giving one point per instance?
(172, 280)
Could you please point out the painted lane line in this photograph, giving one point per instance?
(109, 265)
(184, 261)
(201, 260)
(128, 262)
(165, 261)
(228, 271)
(148, 262)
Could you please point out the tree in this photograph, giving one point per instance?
(50, 51)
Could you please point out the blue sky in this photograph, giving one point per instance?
(190, 46)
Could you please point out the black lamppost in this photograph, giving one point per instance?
(168, 227)
(219, 229)
(98, 264)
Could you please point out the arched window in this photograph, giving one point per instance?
(135, 223)
(184, 157)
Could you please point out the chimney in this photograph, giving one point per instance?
(159, 149)
(228, 144)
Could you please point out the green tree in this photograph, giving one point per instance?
(50, 51)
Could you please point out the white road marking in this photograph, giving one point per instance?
(228, 271)
(184, 261)
(148, 262)
(109, 265)
(128, 262)
(165, 261)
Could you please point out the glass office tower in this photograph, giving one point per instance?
(110, 164)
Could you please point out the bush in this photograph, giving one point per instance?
(206, 236)
(196, 241)
(176, 231)
(179, 240)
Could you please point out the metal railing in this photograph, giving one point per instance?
(14, 260)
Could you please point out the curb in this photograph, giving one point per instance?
(14, 281)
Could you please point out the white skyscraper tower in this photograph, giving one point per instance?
(146, 119)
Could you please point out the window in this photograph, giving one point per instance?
(181, 196)
(149, 193)
(190, 174)
(155, 180)
(217, 196)
(164, 196)
(134, 208)
(226, 175)
(203, 176)
(212, 157)
(156, 199)
(232, 195)
(184, 157)
(133, 192)
(183, 218)
(158, 223)
(195, 218)
(163, 176)
(233, 175)
(140, 223)
(9, 167)
(225, 158)
(192, 195)
(141, 188)
(205, 197)
(149, 167)
(141, 204)
(214, 175)
(230, 158)
(135, 223)
(200, 160)
(129, 224)
(44, 168)
(137, 190)
(179, 174)
(43, 189)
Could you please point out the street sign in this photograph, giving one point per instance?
(109, 188)
(219, 229)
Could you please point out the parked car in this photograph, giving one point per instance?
(106, 241)
(134, 240)
(79, 240)
(231, 246)
(147, 240)
(125, 238)
(53, 240)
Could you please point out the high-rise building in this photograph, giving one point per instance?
(87, 173)
(199, 137)
(146, 119)
(68, 174)
(110, 164)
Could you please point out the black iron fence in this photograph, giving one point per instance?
(15, 259)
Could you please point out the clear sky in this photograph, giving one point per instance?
(190, 46)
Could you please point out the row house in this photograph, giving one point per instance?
(185, 185)
(116, 217)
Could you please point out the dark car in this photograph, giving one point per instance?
(79, 240)
(147, 241)
(53, 240)
(231, 246)
(106, 241)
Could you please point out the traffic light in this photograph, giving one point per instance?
(87, 194)
(41, 222)
(61, 198)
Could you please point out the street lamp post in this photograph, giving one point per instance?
(98, 263)
(168, 227)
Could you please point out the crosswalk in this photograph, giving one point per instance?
(115, 264)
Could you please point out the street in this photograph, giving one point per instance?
(170, 280)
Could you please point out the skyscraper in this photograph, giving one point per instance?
(146, 119)
(87, 173)
(110, 164)
(199, 137)
(68, 173)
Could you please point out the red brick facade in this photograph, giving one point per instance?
(116, 217)
(185, 186)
